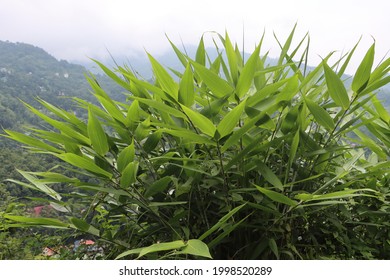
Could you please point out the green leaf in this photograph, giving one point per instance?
(129, 175)
(265, 92)
(293, 152)
(290, 123)
(186, 90)
(97, 135)
(362, 75)
(129, 252)
(382, 112)
(187, 135)
(61, 126)
(37, 221)
(200, 121)
(320, 114)
(290, 90)
(125, 157)
(40, 186)
(84, 226)
(336, 88)
(246, 77)
(277, 197)
(158, 186)
(229, 122)
(84, 163)
(160, 106)
(218, 86)
(30, 141)
(164, 246)
(237, 134)
(68, 117)
(226, 231)
(52, 177)
(214, 108)
(112, 109)
(269, 175)
(173, 203)
(196, 247)
(159, 247)
(133, 114)
(144, 85)
(273, 247)
(200, 56)
(142, 130)
(164, 79)
(232, 58)
(221, 222)
(112, 75)
(179, 54)
(152, 141)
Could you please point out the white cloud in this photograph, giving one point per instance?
(71, 29)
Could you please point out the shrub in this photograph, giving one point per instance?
(231, 159)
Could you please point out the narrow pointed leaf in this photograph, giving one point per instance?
(273, 247)
(336, 88)
(129, 175)
(160, 106)
(152, 141)
(229, 122)
(293, 151)
(179, 54)
(221, 222)
(362, 75)
(277, 197)
(37, 221)
(196, 247)
(40, 186)
(84, 226)
(200, 56)
(200, 121)
(84, 163)
(31, 141)
(246, 77)
(97, 135)
(164, 246)
(269, 175)
(164, 79)
(218, 86)
(189, 136)
(125, 157)
(232, 58)
(186, 91)
(320, 114)
(158, 186)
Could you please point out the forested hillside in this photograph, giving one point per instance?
(28, 72)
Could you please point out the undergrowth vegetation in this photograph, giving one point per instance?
(230, 158)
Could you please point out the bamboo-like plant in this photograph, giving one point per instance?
(231, 159)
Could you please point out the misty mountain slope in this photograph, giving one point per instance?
(28, 72)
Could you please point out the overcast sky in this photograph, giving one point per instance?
(77, 29)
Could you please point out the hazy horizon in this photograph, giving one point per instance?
(76, 30)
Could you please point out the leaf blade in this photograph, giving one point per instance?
(336, 88)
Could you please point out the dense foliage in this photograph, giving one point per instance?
(231, 159)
